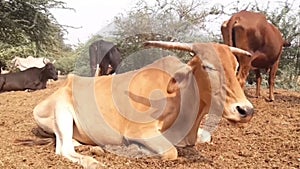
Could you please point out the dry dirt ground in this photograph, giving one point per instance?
(270, 140)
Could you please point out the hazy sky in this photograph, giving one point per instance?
(92, 15)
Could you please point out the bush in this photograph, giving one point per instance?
(66, 64)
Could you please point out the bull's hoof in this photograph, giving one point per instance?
(203, 136)
(171, 154)
(257, 95)
(90, 163)
(96, 150)
(269, 99)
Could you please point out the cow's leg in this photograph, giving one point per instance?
(104, 68)
(258, 82)
(272, 75)
(97, 71)
(158, 144)
(115, 59)
(64, 134)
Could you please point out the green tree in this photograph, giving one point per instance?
(82, 59)
(27, 27)
(170, 20)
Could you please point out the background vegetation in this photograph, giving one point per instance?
(27, 27)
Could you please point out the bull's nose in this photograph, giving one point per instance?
(245, 111)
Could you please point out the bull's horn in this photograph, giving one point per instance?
(45, 61)
(239, 51)
(53, 61)
(170, 45)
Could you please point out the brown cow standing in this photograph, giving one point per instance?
(252, 32)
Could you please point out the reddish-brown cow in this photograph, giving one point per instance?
(252, 32)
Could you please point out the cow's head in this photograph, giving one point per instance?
(215, 67)
(49, 72)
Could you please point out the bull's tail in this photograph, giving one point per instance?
(32, 142)
(46, 140)
(286, 43)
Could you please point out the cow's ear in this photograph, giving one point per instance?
(180, 79)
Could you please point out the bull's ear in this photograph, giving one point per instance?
(172, 86)
(180, 79)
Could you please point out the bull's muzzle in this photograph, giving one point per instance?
(245, 112)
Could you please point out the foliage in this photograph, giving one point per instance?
(66, 64)
(28, 28)
(169, 20)
(82, 62)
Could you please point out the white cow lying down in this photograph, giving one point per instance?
(159, 106)
(26, 63)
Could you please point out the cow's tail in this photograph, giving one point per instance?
(230, 32)
(230, 28)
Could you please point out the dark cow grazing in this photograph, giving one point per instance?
(31, 79)
(252, 32)
(104, 54)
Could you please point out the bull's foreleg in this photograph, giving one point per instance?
(272, 75)
(64, 135)
(258, 82)
(160, 145)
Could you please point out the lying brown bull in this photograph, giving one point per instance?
(252, 32)
(157, 106)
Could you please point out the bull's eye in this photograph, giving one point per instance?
(209, 67)
(237, 69)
